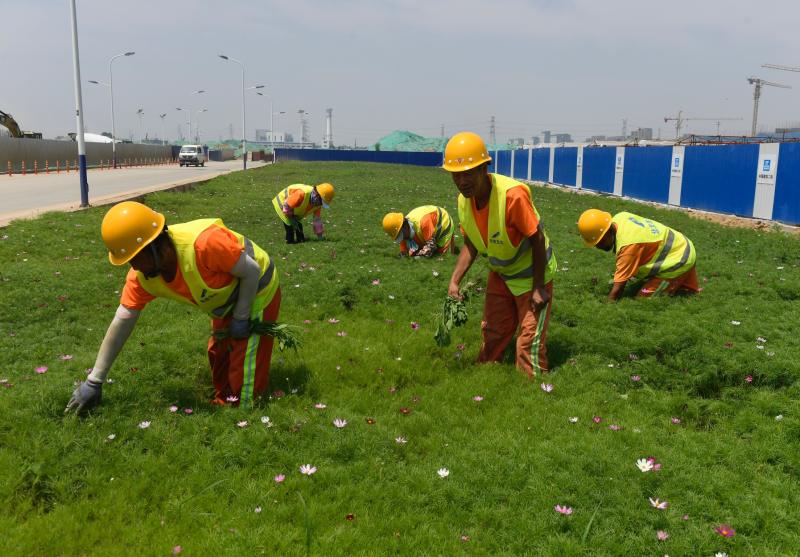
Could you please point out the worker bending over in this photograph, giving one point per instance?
(423, 232)
(663, 258)
(294, 202)
(201, 263)
(498, 220)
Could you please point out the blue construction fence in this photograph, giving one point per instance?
(753, 180)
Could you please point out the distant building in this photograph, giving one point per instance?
(268, 136)
(517, 141)
(642, 133)
(562, 138)
(546, 136)
(535, 140)
(596, 138)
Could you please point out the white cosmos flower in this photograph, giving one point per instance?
(144, 425)
(660, 505)
(339, 422)
(307, 469)
(573, 420)
(644, 465)
(400, 440)
(264, 420)
(443, 472)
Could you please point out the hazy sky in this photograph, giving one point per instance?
(577, 66)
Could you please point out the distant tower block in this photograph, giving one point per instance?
(327, 142)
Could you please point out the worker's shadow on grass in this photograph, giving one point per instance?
(288, 378)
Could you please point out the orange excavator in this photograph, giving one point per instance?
(8, 121)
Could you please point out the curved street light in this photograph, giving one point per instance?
(110, 85)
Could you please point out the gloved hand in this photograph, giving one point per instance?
(239, 328)
(86, 396)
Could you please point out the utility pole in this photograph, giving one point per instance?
(624, 128)
(442, 133)
(492, 137)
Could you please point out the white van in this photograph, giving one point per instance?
(192, 154)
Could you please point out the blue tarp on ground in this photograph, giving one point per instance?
(646, 174)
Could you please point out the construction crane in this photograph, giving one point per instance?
(779, 67)
(680, 120)
(758, 83)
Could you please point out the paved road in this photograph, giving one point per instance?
(29, 195)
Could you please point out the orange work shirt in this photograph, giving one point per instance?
(521, 220)
(295, 199)
(631, 257)
(428, 229)
(216, 252)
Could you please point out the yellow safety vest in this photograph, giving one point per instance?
(444, 225)
(675, 255)
(216, 302)
(513, 263)
(279, 202)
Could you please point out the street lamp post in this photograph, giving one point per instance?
(189, 112)
(111, 87)
(163, 138)
(244, 123)
(140, 113)
(197, 125)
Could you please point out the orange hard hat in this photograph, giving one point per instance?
(325, 191)
(127, 228)
(593, 225)
(393, 223)
(465, 151)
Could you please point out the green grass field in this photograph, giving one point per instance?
(203, 483)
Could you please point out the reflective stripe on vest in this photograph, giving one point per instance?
(675, 255)
(208, 299)
(513, 263)
(279, 202)
(442, 237)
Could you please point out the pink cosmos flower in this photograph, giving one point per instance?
(614, 427)
(333, 321)
(546, 387)
(177, 549)
(662, 535)
(376, 282)
(187, 411)
(461, 347)
(636, 378)
(597, 419)
(725, 531)
(339, 422)
(414, 325)
(243, 423)
(65, 357)
(307, 321)
(464, 538)
(477, 398)
(341, 334)
(173, 408)
(279, 478)
(563, 509)
(41, 369)
(278, 394)
(685, 517)
(749, 378)
(320, 406)
(674, 420)
(660, 505)
(307, 469)
(232, 398)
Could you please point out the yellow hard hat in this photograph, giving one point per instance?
(593, 224)
(325, 191)
(465, 151)
(127, 228)
(393, 223)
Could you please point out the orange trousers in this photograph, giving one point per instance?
(240, 367)
(503, 314)
(686, 282)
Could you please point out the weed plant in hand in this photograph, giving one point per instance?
(193, 478)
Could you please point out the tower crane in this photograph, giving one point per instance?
(758, 83)
(680, 120)
(780, 67)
